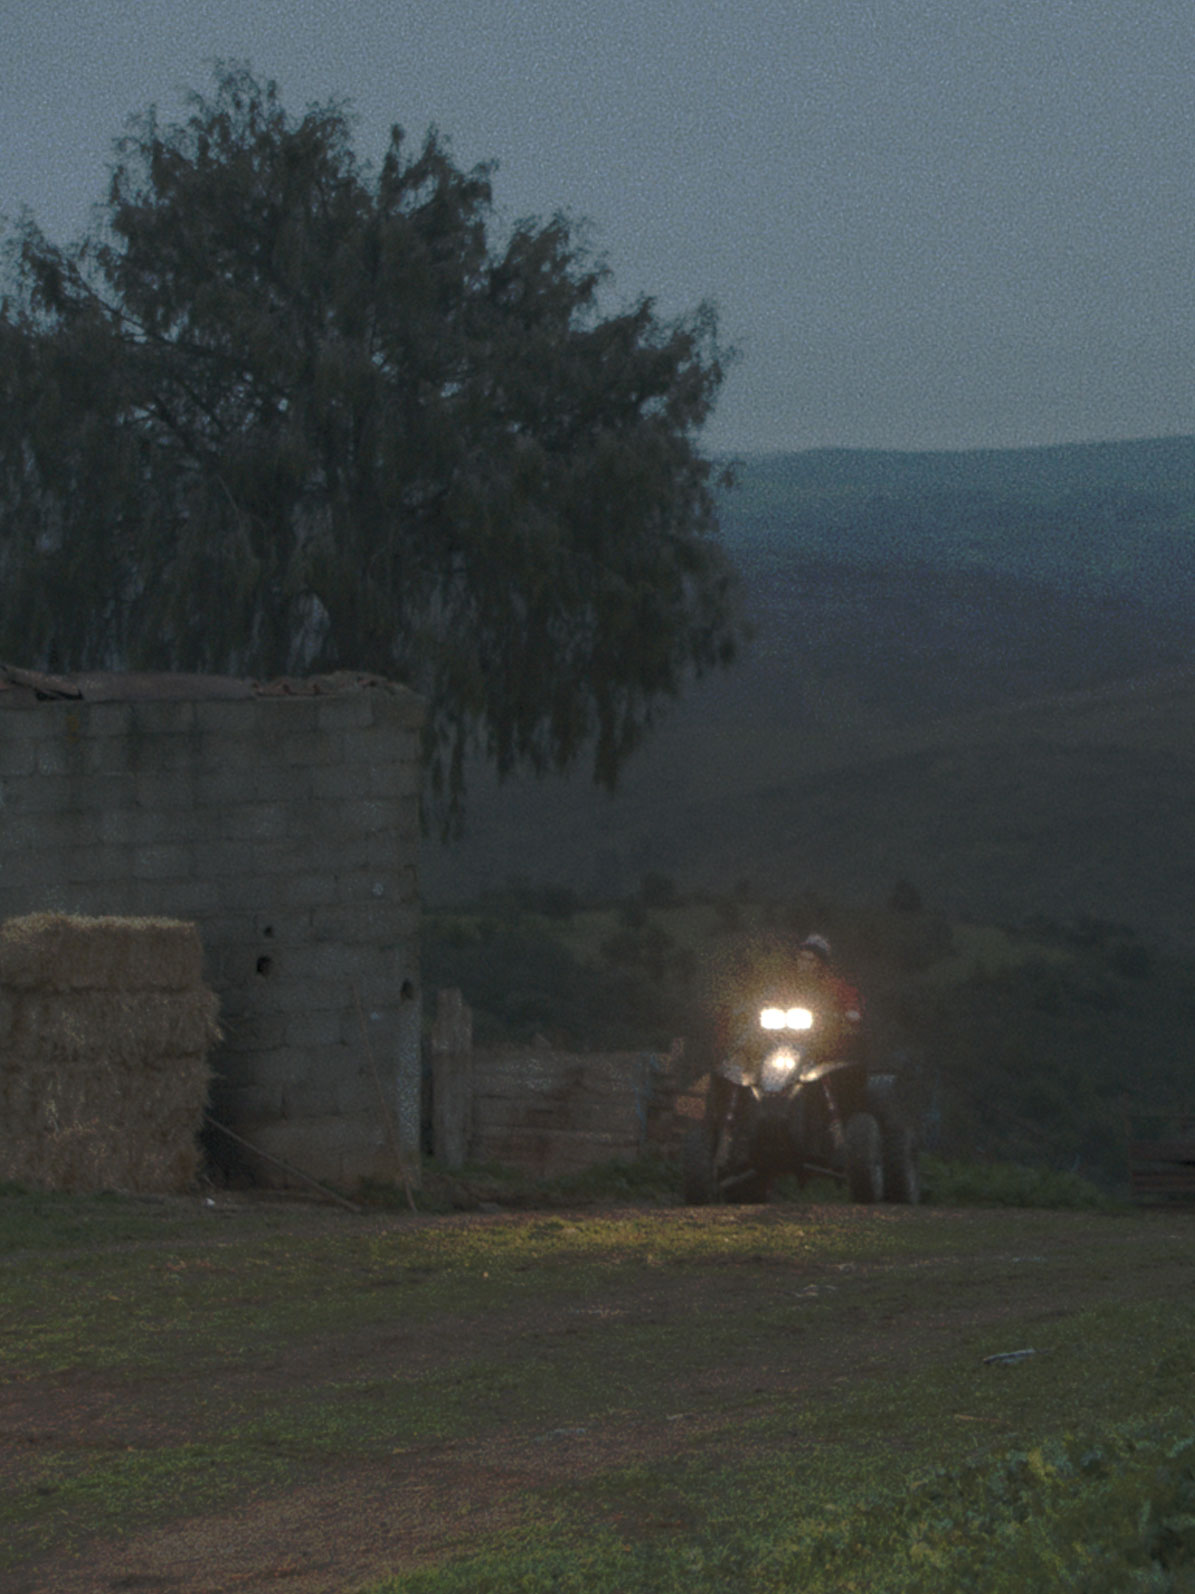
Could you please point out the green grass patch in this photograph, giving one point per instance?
(1096, 1514)
(65, 1497)
(1040, 1474)
(808, 1346)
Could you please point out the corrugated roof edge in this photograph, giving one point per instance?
(24, 688)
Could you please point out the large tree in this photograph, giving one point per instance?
(282, 412)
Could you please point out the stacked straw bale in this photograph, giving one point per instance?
(105, 1027)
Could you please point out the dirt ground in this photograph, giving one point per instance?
(379, 1516)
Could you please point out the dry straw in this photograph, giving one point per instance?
(65, 952)
(105, 1028)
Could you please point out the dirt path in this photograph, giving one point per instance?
(381, 1514)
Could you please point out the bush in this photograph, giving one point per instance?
(1007, 1184)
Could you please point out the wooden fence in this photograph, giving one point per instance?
(1161, 1154)
(548, 1111)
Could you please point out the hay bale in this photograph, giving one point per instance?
(126, 1029)
(104, 1034)
(68, 952)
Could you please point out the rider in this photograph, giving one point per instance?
(838, 1003)
(807, 975)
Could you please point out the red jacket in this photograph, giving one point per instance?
(837, 1004)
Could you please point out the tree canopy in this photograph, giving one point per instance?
(280, 411)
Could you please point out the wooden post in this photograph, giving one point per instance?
(452, 1079)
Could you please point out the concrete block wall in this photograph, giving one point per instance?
(286, 827)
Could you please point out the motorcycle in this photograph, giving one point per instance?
(783, 1102)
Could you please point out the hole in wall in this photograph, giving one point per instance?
(406, 992)
(264, 965)
(269, 930)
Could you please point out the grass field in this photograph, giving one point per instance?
(260, 1394)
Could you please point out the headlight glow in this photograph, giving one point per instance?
(779, 1018)
(777, 1070)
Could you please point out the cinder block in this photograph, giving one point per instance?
(28, 725)
(291, 995)
(374, 744)
(238, 892)
(171, 899)
(336, 782)
(323, 1027)
(106, 866)
(373, 921)
(224, 783)
(334, 1150)
(257, 821)
(273, 858)
(231, 718)
(280, 1067)
(311, 749)
(381, 988)
(282, 717)
(367, 778)
(230, 929)
(128, 826)
(16, 756)
(407, 882)
(162, 717)
(273, 781)
(408, 817)
(330, 853)
(26, 828)
(323, 960)
(329, 1063)
(359, 1094)
(165, 861)
(309, 1098)
(299, 891)
(367, 817)
(346, 711)
(409, 784)
(166, 789)
(30, 868)
(219, 859)
(106, 720)
(61, 756)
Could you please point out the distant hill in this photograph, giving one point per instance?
(1109, 517)
(973, 670)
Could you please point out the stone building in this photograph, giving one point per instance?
(283, 820)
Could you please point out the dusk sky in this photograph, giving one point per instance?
(925, 223)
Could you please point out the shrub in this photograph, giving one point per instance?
(1007, 1184)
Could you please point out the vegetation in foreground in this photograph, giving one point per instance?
(1094, 1514)
(789, 1396)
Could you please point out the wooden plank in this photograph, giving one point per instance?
(1182, 1151)
(1163, 1179)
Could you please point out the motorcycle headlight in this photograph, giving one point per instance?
(778, 1068)
(786, 1018)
